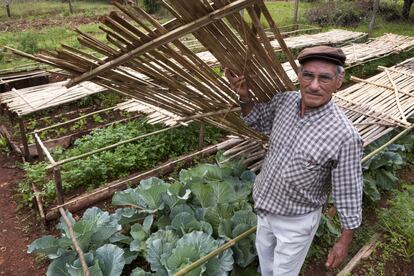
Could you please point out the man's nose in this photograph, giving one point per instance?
(314, 84)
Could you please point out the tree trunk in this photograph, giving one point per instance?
(406, 8)
(70, 7)
(8, 10)
(295, 14)
(374, 15)
(8, 2)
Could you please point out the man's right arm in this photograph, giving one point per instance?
(258, 116)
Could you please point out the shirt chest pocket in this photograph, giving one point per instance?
(304, 170)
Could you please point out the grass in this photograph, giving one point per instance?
(51, 38)
(34, 10)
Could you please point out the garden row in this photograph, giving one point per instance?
(163, 227)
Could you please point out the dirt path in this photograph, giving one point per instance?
(17, 228)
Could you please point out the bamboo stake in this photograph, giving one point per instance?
(363, 253)
(75, 242)
(214, 253)
(397, 98)
(39, 203)
(24, 140)
(44, 149)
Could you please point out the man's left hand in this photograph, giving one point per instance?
(337, 255)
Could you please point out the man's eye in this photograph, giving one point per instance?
(325, 78)
(308, 75)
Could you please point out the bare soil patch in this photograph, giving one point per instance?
(18, 228)
(21, 25)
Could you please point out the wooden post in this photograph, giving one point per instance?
(58, 183)
(201, 135)
(24, 140)
(39, 149)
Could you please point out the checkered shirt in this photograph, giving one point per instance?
(307, 157)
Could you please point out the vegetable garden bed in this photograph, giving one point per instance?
(94, 170)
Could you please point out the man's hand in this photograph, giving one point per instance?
(339, 251)
(238, 84)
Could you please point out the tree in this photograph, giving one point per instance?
(374, 14)
(8, 8)
(406, 8)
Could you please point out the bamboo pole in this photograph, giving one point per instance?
(75, 242)
(39, 203)
(378, 150)
(214, 253)
(165, 38)
(44, 149)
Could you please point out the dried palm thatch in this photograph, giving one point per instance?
(28, 100)
(148, 61)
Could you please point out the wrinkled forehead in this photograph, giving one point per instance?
(319, 67)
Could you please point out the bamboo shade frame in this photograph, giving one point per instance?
(360, 53)
(153, 113)
(27, 100)
(379, 104)
(156, 68)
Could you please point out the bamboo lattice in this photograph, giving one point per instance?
(359, 53)
(28, 100)
(147, 60)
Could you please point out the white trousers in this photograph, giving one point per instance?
(283, 242)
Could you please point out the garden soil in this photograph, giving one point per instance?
(18, 228)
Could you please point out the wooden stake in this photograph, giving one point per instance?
(58, 183)
(75, 242)
(24, 140)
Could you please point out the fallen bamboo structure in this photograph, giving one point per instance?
(153, 65)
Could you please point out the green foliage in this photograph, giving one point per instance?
(99, 168)
(380, 171)
(401, 226)
(151, 6)
(93, 233)
(29, 43)
(339, 13)
(165, 223)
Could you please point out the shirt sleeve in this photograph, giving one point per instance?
(262, 115)
(347, 184)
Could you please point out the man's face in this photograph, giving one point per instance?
(318, 81)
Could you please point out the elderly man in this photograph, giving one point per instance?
(313, 148)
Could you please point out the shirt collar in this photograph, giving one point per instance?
(314, 112)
